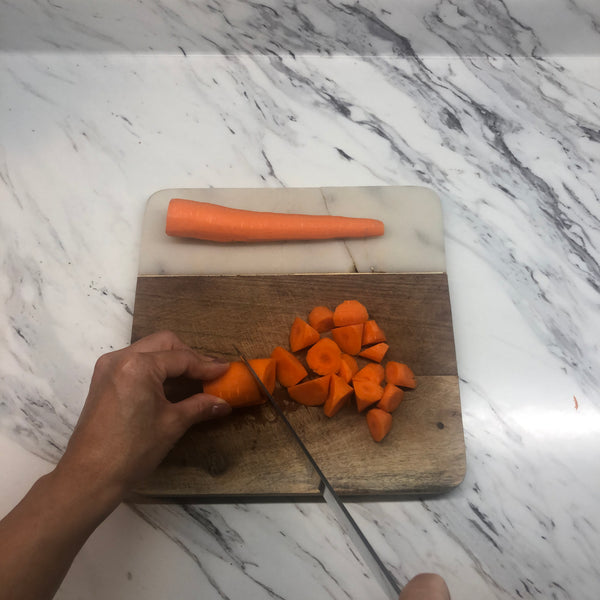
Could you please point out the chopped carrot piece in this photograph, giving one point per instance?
(376, 352)
(324, 357)
(339, 393)
(348, 337)
(290, 370)
(372, 334)
(392, 396)
(237, 385)
(379, 423)
(321, 318)
(349, 312)
(351, 361)
(313, 392)
(302, 335)
(367, 392)
(345, 372)
(400, 374)
(373, 371)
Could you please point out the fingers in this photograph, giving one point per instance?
(201, 407)
(425, 586)
(175, 363)
(161, 340)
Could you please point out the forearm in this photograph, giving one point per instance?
(41, 536)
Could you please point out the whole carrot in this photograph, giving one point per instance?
(212, 222)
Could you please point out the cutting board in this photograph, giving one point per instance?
(217, 295)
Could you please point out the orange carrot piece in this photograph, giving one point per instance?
(373, 371)
(324, 357)
(339, 393)
(321, 318)
(379, 423)
(345, 372)
(348, 337)
(290, 370)
(392, 396)
(372, 333)
(313, 392)
(351, 362)
(367, 392)
(302, 335)
(376, 352)
(400, 374)
(349, 312)
(237, 385)
(206, 221)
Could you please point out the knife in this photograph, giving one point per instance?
(344, 518)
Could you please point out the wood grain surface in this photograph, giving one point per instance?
(250, 456)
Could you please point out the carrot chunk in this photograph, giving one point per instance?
(321, 318)
(349, 312)
(348, 337)
(400, 374)
(376, 352)
(324, 357)
(392, 396)
(372, 333)
(367, 392)
(302, 335)
(339, 393)
(379, 423)
(290, 370)
(345, 372)
(237, 385)
(373, 371)
(351, 362)
(311, 393)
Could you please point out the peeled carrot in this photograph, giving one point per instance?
(372, 333)
(313, 392)
(206, 221)
(348, 337)
(351, 362)
(324, 357)
(349, 312)
(373, 372)
(367, 392)
(321, 318)
(400, 374)
(302, 335)
(379, 423)
(391, 399)
(289, 369)
(237, 385)
(345, 372)
(339, 393)
(376, 352)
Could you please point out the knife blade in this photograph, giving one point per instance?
(382, 575)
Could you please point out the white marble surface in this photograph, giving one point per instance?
(511, 145)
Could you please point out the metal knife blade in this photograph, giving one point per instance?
(343, 517)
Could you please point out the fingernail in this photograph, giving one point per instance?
(218, 359)
(220, 409)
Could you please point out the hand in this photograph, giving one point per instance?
(127, 425)
(426, 586)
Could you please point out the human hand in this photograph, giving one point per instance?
(127, 425)
(426, 586)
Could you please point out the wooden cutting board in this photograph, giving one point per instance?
(249, 300)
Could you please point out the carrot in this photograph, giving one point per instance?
(349, 312)
(302, 335)
(339, 393)
(324, 357)
(289, 369)
(379, 423)
(367, 392)
(392, 396)
(345, 372)
(206, 221)
(321, 318)
(400, 374)
(348, 337)
(237, 385)
(372, 333)
(373, 372)
(376, 352)
(351, 362)
(313, 392)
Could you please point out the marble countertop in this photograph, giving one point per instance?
(504, 128)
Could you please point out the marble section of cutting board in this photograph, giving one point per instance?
(413, 240)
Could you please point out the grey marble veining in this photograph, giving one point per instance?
(512, 148)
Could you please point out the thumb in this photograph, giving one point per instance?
(425, 586)
(201, 407)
